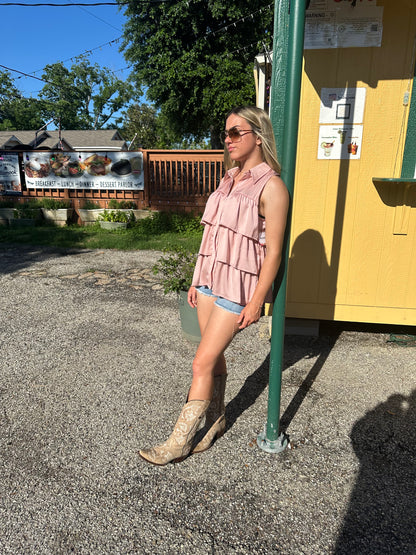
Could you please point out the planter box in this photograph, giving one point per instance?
(22, 222)
(141, 214)
(89, 216)
(138, 214)
(6, 214)
(189, 319)
(59, 217)
(113, 225)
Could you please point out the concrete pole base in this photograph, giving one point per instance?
(276, 446)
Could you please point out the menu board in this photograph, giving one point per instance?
(9, 174)
(83, 170)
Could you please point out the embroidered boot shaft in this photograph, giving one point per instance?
(215, 417)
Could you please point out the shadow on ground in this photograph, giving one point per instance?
(382, 508)
(296, 348)
(14, 258)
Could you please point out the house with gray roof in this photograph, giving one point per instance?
(100, 140)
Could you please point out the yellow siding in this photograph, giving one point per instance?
(352, 254)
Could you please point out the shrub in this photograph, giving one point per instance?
(90, 205)
(28, 209)
(115, 204)
(169, 222)
(54, 203)
(116, 216)
(7, 203)
(176, 268)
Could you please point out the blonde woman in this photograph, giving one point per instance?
(240, 254)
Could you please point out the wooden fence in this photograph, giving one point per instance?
(174, 180)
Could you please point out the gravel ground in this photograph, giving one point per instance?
(94, 367)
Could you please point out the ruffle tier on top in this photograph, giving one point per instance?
(231, 253)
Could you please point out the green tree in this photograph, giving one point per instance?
(148, 128)
(86, 96)
(16, 112)
(196, 58)
(140, 126)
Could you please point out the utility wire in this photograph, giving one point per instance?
(224, 28)
(89, 51)
(96, 17)
(80, 4)
(27, 75)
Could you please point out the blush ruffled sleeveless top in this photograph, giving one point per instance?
(233, 244)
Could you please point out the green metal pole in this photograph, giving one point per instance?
(271, 440)
(279, 70)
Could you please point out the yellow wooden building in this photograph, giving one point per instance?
(353, 236)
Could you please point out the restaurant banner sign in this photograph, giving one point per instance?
(84, 170)
(9, 174)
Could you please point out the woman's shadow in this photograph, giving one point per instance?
(381, 517)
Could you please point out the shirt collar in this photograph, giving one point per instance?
(256, 172)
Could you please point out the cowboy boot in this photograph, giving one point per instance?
(215, 417)
(179, 444)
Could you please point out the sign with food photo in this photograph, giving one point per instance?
(83, 170)
(9, 174)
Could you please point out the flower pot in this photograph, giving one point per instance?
(113, 225)
(189, 319)
(59, 217)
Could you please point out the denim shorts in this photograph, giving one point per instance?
(227, 305)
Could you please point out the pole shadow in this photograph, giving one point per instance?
(320, 348)
(296, 348)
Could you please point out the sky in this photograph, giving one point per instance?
(33, 37)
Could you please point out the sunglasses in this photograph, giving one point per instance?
(234, 134)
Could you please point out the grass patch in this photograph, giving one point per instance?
(158, 232)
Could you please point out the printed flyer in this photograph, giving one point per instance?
(84, 170)
(340, 142)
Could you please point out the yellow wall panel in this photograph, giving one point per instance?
(352, 252)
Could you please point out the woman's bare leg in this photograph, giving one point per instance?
(218, 327)
(204, 307)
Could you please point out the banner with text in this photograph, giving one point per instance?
(84, 170)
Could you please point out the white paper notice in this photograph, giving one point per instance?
(342, 105)
(361, 27)
(330, 24)
(340, 143)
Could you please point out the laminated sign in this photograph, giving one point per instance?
(341, 24)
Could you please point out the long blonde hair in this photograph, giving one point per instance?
(260, 123)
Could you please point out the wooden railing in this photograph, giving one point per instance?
(182, 179)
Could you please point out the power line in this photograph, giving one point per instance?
(241, 20)
(96, 17)
(110, 43)
(27, 75)
(49, 4)
(89, 51)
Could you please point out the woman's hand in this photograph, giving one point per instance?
(192, 294)
(249, 315)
